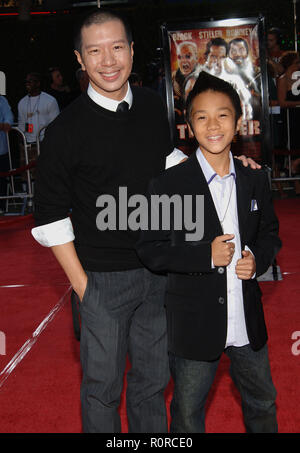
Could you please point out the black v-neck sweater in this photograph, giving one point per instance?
(89, 151)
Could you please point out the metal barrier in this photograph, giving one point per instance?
(13, 194)
(27, 192)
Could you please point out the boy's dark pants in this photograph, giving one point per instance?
(123, 312)
(250, 371)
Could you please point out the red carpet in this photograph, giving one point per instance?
(40, 370)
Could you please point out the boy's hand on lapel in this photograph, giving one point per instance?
(245, 267)
(222, 251)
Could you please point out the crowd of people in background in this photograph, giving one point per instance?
(44, 100)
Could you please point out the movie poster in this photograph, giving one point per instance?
(231, 50)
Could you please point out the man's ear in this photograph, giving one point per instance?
(79, 59)
(131, 49)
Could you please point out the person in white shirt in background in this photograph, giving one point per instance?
(35, 111)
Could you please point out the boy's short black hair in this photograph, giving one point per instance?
(100, 16)
(207, 82)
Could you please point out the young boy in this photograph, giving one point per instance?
(213, 300)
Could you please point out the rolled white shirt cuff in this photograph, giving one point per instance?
(54, 233)
(174, 158)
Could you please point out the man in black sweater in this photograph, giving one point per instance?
(93, 150)
(90, 150)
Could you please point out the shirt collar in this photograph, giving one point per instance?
(208, 171)
(107, 103)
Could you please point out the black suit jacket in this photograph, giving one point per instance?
(196, 295)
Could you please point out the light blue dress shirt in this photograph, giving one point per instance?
(6, 116)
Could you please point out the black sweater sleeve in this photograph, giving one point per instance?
(53, 177)
(160, 252)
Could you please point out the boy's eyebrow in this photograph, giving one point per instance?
(204, 111)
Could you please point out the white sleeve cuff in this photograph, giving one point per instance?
(174, 158)
(55, 233)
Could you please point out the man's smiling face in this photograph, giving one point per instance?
(107, 57)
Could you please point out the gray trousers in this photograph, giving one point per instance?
(123, 313)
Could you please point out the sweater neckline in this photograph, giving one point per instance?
(109, 113)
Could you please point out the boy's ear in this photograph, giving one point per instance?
(191, 132)
(238, 124)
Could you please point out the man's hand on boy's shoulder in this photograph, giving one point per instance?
(245, 267)
(248, 161)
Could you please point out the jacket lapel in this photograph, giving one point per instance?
(244, 191)
(198, 184)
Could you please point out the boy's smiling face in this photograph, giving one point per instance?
(213, 122)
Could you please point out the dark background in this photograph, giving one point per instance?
(46, 40)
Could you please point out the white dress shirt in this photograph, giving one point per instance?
(61, 231)
(223, 192)
(107, 103)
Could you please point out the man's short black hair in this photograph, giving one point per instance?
(100, 16)
(207, 82)
(36, 76)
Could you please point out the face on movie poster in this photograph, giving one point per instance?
(228, 52)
